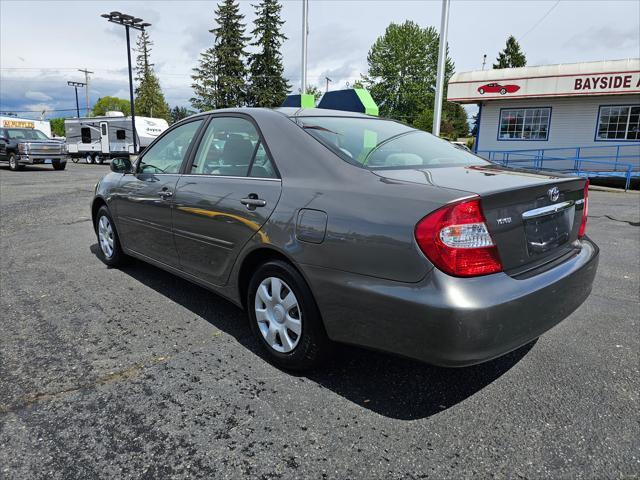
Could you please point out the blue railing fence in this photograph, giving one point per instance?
(620, 160)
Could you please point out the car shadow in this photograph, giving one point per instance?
(391, 386)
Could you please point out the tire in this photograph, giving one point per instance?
(296, 351)
(59, 165)
(503, 91)
(481, 91)
(14, 165)
(74, 159)
(113, 257)
(88, 159)
(99, 160)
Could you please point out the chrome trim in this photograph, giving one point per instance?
(548, 210)
(231, 176)
(580, 202)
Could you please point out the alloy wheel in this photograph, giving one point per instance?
(105, 236)
(278, 315)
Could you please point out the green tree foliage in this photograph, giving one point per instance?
(149, 101)
(267, 85)
(402, 70)
(220, 79)
(111, 104)
(315, 91)
(511, 56)
(178, 113)
(57, 127)
(454, 122)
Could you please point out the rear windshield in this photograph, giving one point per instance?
(374, 143)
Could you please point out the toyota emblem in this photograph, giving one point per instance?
(553, 194)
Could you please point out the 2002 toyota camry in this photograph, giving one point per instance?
(336, 226)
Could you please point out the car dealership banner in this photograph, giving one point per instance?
(565, 85)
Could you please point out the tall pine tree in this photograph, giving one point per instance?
(220, 79)
(511, 56)
(267, 85)
(149, 101)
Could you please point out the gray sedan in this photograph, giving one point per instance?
(330, 226)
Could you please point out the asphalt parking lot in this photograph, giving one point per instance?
(135, 373)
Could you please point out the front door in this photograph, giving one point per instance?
(104, 137)
(144, 200)
(228, 193)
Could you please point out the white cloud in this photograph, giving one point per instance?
(38, 96)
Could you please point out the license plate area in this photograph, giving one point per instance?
(547, 231)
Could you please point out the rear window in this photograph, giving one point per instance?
(374, 143)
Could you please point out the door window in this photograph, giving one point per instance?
(168, 153)
(103, 127)
(262, 166)
(227, 148)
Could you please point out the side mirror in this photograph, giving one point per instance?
(121, 165)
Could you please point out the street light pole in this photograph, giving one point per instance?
(75, 85)
(442, 62)
(305, 32)
(129, 21)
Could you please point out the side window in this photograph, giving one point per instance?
(103, 128)
(262, 166)
(120, 135)
(227, 148)
(85, 133)
(169, 152)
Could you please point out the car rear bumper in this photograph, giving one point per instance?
(451, 321)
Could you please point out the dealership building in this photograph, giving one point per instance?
(575, 111)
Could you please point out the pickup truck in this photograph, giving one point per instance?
(27, 146)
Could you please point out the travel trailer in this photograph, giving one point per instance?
(96, 139)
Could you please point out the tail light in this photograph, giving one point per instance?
(456, 239)
(585, 210)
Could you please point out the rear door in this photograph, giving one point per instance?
(104, 137)
(225, 196)
(144, 200)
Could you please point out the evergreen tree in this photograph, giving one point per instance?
(178, 113)
(149, 101)
(511, 56)
(220, 79)
(267, 85)
(402, 70)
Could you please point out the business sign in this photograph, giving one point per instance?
(566, 85)
(17, 124)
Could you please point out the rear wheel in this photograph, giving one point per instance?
(108, 241)
(13, 162)
(503, 91)
(88, 159)
(58, 165)
(285, 318)
(99, 159)
(481, 91)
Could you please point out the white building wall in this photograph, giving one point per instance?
(573, 122)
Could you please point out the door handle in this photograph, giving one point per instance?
(252, 201)
(165, 194)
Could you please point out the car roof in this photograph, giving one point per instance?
(289, 112)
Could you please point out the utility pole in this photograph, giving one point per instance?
(484, 60)
(305, 33)
(86, 90)
(328, 80)
(75, 85)
(442, 62)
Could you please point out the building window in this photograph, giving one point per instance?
(120, 135)
(85, 133)
(524, 123)
(620, 122)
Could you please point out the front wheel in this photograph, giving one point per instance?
(481, 91)
(14, 164)
(59, 165)
(99, 159)
(285, 318)
(108, 241)
(503, 91)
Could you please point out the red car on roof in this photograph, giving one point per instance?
(497, 88)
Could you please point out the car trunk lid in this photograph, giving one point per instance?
(533, 218)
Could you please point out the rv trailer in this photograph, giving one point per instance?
(96, 139)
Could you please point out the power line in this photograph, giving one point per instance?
(540, 21)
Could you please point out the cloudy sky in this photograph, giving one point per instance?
(42, 44)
